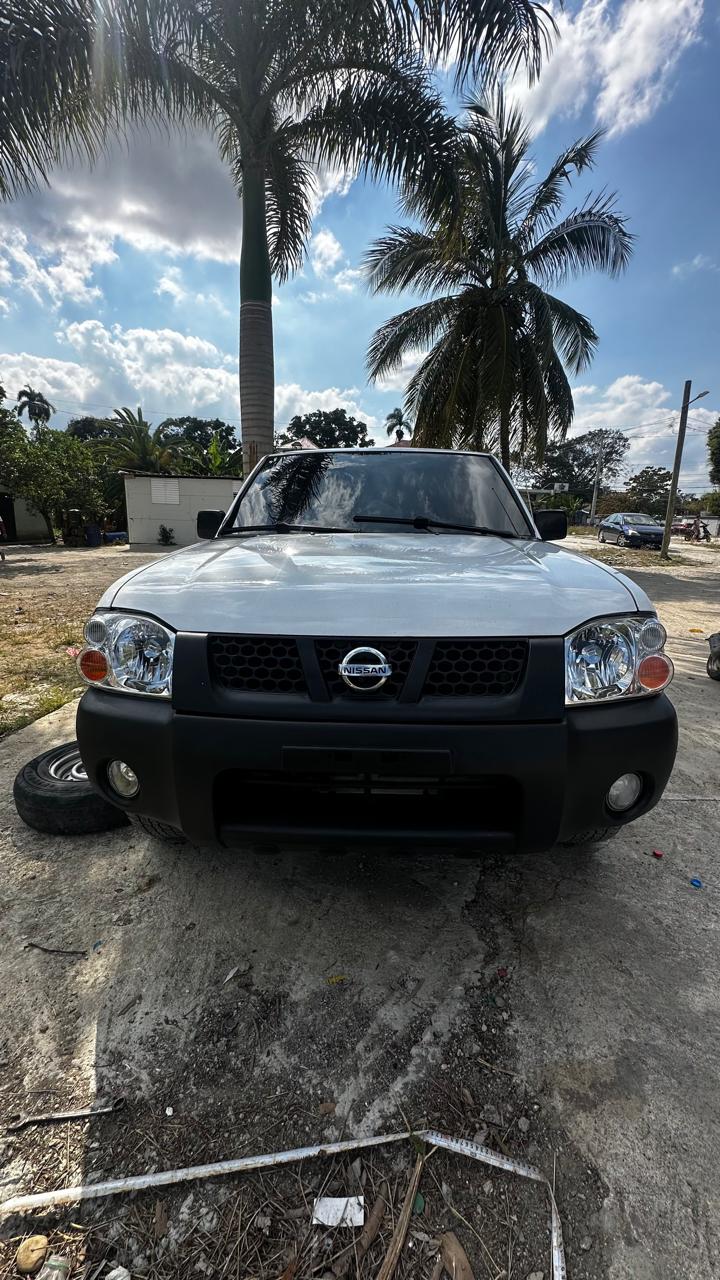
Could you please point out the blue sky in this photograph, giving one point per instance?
(119, 285)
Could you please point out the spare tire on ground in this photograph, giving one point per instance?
(52, 794)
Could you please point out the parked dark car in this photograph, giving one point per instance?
(631, 529)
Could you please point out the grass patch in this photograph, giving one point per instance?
(38, 674)
(627, 558)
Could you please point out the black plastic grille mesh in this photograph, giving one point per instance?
(257, 664)
(399, 654)
(475, 668)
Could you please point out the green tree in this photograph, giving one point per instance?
(200, 431)
(398, 424)
(328, 429)
(218, 459)
(500, 342)
(713, 444)
(90, 428)
(137, 447)
(710, 503)
(649, 490)
(54, 472)
(574, 462)
(37, 407)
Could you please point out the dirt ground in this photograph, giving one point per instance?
(564, 1008)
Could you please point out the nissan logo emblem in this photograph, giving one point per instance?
(364, 669)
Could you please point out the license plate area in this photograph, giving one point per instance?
(362, 760)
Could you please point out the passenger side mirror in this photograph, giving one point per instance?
(551, 525)
(208, 523)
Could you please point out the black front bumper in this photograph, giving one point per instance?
(511, 785)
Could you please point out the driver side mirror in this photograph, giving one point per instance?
(208, 523)
(551, 525)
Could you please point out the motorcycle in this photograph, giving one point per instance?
(700, 535)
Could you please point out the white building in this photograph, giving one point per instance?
(173, 501)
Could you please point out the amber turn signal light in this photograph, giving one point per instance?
(93, 665)
(655, 671)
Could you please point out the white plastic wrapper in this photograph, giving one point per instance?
(339, 1211)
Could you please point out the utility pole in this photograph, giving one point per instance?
(686, 402)
(596, 490)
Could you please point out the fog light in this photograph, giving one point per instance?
(123, 779)
(624, 792)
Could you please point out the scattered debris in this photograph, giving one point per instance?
(250, 1164)
(696, 882)
(536, 1275)
(658, 853)
(390, 1261)
(160, 1225)
(357, 1250)
(419, 1204)
(467, 1098)
(339, 1211)
(523, 1124)
(454, 1257)
(57, 1268)
(327, 1108)
(502, 972)
(243, 967)
(97, 945)
(50, 1117)
(130, 1005)
(337, 979)
(169, 1111)
(31, 1255)
(54, 951)
(118, 1273)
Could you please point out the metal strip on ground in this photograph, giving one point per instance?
(249, 1164)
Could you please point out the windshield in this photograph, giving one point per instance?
(634, 518)
(327, 490)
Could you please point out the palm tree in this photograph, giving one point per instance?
(499, 342)
(37, 407)
(137, 447)
(284, 87)
(398, 424)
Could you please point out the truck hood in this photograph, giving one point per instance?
(375, 584)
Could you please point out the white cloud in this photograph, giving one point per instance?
(60, 268)
(701, 262)
(171, 284)
(325, 252)
(648, 412)
(348, 279)
(621, 57)
(57, 379)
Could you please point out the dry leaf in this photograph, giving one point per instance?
(455, 1259)
(161, 1219)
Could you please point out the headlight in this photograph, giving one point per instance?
(123, 651)
(616, 658)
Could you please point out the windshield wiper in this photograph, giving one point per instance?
(425, 522)
(280, 527)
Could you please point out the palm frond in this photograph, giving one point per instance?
(478, 35)
(573, 334)
(547, 196)
(411, 330)
(412, 259)
(290, 184)
(594, 237)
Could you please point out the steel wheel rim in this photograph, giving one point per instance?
(68, 767)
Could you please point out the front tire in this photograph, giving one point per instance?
(713, 668)
(52, 794)
(158, 830)
(601, 536)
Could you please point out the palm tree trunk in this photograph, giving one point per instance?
(505, 434)
(257, 373)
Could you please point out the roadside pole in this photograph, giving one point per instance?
(676, 466)
(596, 490)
